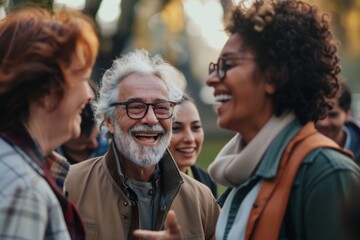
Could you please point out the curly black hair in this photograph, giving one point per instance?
(293, 40)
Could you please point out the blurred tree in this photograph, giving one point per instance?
(345, 19)
(44, 3)
(160, 27)
(345, 16)
(111, 46)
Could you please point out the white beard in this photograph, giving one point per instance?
(143, 156)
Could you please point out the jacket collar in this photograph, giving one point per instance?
(170, 177)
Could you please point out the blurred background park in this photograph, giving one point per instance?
(189, 34)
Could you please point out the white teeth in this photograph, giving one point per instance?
(222, 98)
(186, 150)
(145, 135)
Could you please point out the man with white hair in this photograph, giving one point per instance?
(136, 183)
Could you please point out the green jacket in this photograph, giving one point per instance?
(319, 189)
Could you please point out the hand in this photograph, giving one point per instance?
(172, 230)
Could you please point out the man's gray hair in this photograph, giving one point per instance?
(138, 61)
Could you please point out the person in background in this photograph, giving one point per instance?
(338, 123)
(89, 144)
(187, 140)
(271, 82)
(46, 61)
(136, 183)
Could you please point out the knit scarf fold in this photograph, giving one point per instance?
(235, 163)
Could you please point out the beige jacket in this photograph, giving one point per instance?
(109, 213)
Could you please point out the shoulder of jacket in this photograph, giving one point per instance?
(325, 162)
(79, 170)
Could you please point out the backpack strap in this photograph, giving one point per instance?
(267, 214)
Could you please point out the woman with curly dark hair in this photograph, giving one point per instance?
(271, 81)
(285, 180)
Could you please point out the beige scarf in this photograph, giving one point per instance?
(235, 163)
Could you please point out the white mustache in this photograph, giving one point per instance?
(156, 128)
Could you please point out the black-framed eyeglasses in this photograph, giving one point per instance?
(221, 67)
(138, 110)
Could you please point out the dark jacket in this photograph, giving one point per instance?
(203, 177)
(352, 143)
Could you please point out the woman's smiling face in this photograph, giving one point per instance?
(187, 136)
(77, 93)
(244, 95)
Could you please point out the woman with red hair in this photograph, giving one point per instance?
(45, 64)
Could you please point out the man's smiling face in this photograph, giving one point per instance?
(142, 141)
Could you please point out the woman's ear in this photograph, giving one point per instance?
(109, 124)
(269, 82)
(46, 101)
